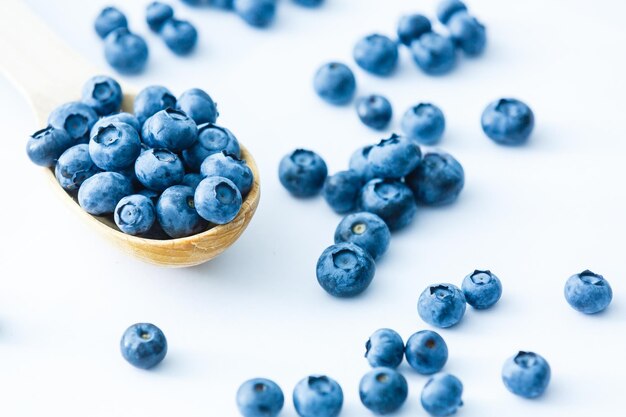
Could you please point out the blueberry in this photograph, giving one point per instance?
(176, 212)
(211, 139)
(441, 395)
(411, 27)
(198, 105)
(222, 4)
(226, 165)
(180, 36)
(383, 390)
(103, 94)
(482, 289)
(345, 270)
(391, 200)
(260, 397)
(433, 53)
(468, 34)
(45, 146)
(342, 190)
(74, 167)
(360, 164)
(448, 8)
(437, 180)
(317, 396)
(125, 51)
(143, 345)
(394, 157)
(158, 169)
(384, 348)
(366, 230)
(374, 111)
(109, 20)
(257, 13)
(100, 193)
(157, 14)
(424, 123)
(127, 118)
(302, 173)
(376, 54)
(151, 100)
(135, 214)
(508, 121)
(309, 3)
(217, 199)
(75, 118)
(151, 194)
(170, 129)
(335, 83)
(441, 305)
(115, 146)
(426, 352)
(588, 292)
(526, 374)
(192, 180)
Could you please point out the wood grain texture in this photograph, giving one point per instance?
(49, 73)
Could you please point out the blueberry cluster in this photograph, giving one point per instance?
(166, 171)
(180, 36)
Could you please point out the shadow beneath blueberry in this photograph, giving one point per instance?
(178, 364)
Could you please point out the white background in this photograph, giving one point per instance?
(533, 215)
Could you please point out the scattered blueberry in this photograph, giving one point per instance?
(441, 305)
(508, 121)
(158, 169)
(109, 20)
(384, 348)
(482, 289)
(318, 396)
(467, 33)
(257, 13)
(383, 390)
(588, 292)
(75, 118)
(424, 123)
(411, 27)
(441, 395)
(151, 100)
(176, 212)
(374, 111)
(526, 374)
(342, 190)
(170, 129)
(223, 164)
(335, 83)
(366, 230)
(211, 139)
(345, 270)
(448, 8)
(302, 173)
(45, 146)
(127, 118)
(114, 146)
(391, 200)
(125, 51)
(157, 14)
(260, 397)
(180, 36)
(376, 54)
(135, 214)
(437, 180)
(198, 105)
(426, 352)
(74, 167)
(100, 193)
(217, 199)
(394, 157)
(360, 164)
(433, 53)
(192, 180)
(143, 345)
(103, 94)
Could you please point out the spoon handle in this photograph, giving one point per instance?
(37, 61)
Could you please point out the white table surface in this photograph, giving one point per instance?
(533, 215)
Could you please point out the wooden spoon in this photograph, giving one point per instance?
(49, 74)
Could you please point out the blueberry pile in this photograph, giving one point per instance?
(166, 171)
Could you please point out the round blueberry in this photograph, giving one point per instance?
(100, 193)
(366, 230)
(437, 180)
(108, 20)
(74, 167)
(426, 352)
(482, 289)
(223, 164)
(180, 36)
(157, 14)
(441, 305)
(448, 8)
(394, 157)
(468, 34)
(211, 139)
(198, 105)
(217, 200)
(134, 214)
(75, 118)
(260, 397)
(376, 54)
(508, 121)
(318, 396)
(45, 146)
(424, 123)
(411, 27)
(127, 118)
(384, 348)
(526, 374)
(170, 129)
(588, 292)
(103, 94)
(335, 83)
(192, 180)
(158, 169)
(302, 173)
(176, 212)
(151, 194)
(383, 390)
(433, 53)
(115, 146)
(360, 164)
(391, 200)
(257, 13)
(342, 190)
(345, 270)
(151, 100)
(309, 3)
(374, 111)
(143, 345)
(125, 51)
(441, 396)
